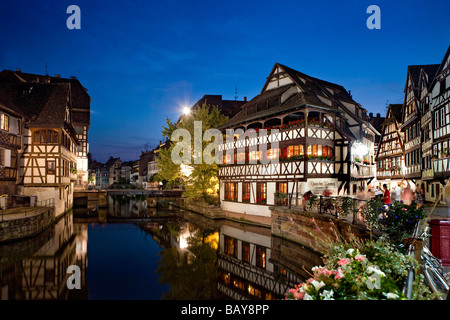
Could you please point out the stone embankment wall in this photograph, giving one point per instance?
(298, 226)
(26, 225)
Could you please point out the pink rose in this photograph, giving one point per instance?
(343, 262)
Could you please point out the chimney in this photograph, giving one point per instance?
(371, 114)
(245, 99)
(57, 76)
(378, 115)
(18, 70)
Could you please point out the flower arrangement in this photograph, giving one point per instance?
(445, 152)
(398, 220)
(261, 200)
(366, 162)
(394, 169)
(284, 157)
(357, 159)
(246, 198)
(356, 269)
(281, 199)
(327, 158)
(315, 122)
(292, 124)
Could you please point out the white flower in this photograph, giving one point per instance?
(390, 295)
(373, 282)
(350, 251)
(375, 269)
(307, 297)
(317, 285)
(327, 294)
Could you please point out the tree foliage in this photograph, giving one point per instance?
(202, 181)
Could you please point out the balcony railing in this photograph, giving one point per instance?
(389, 174)
(290, 133)
(297, 167)
(337, 206)
(441, 166)
(362, 171)
(10, 140)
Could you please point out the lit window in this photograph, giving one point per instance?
(261, 257)
(4, 122)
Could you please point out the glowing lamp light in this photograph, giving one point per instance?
(186, 111)
(361, 149)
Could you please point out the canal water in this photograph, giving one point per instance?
(130, 251)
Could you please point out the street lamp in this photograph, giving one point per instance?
(186, 111)
(361, 149)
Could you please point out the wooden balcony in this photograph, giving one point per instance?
(427, 174)
(286, 169)
(362, 171)
(387, 174)
(413, 171)
(413, 143)
(8, 174)
(290, 169)
(441, 167)
(282, 135)
(9, 140)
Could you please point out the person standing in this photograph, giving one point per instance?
(407, 195)
(386, 194)
(398, 192)
(419, 196)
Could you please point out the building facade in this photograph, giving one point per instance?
(390, 157)
(319, 138)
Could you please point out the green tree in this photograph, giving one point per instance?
(202, 180)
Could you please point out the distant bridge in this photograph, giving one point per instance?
(148, 193)
(94, 198)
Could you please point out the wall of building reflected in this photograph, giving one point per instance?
(35, 269)
(155, 253)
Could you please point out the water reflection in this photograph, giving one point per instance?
(137, 252)
(35, 269)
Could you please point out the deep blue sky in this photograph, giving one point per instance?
(143, 60)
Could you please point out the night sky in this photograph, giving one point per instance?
(144, 60)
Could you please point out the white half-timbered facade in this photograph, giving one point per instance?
(48, 162)
(317, 138)
(440, 119)
(39, 132)
(390, 152)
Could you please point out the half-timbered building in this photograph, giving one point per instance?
(11, 121)
(411, 121)
(46, 162)
(79, 109)
(323, 140)
(390, 157)
(440, 120)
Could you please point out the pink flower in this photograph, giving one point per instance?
(359, 258)
(339, 274)
(343, 262)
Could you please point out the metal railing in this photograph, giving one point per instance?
(336, 206)
(27, 208)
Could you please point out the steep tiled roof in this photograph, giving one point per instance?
(43, 105)
(304, 90)
(80, 99)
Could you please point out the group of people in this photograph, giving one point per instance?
(405, 194)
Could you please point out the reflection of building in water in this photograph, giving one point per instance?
(42, 275)
(246, 270)
(121, 206)
(81, 239)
